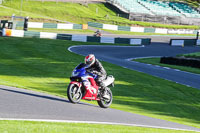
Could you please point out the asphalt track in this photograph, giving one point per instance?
(16, 103)
(20, 104)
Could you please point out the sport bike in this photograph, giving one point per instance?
(77, 91)
(97, 35)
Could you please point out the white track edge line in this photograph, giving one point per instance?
(139, 46)
(130, 59)
(93, 122)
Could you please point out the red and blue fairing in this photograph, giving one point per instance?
(80, 71)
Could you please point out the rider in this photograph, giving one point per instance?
(98, 32)
(95, 67)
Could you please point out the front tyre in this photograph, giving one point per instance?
(74, 93)
(105, 103)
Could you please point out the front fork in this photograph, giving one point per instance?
(78, 84)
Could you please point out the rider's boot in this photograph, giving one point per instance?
(104, 90)
(105, 95)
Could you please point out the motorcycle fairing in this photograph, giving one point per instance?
(76, 83)
(89, 95)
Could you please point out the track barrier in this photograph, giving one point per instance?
(80, 38)
(142, 29)
(52, 25)
(184, 42)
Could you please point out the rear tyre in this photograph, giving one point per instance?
(105, 103)
(74, 93)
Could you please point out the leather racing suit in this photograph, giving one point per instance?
(99, 70)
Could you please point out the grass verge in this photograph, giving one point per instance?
(193, 55)
(51, 127)
(45, 65)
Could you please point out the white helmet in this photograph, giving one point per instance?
(90, 59)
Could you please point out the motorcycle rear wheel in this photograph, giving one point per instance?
(74, 93)
(105, 103)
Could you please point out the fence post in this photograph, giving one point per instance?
(13, 17)
(179, 20)
(165, 18)
(197, 35)
(26, 23)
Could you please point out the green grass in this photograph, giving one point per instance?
(45, 65)
(76, 13)
(156, 61)
(193, 55)
(48, 127)
(7, 11)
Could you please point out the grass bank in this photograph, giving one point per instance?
(193, 55)
(76, 13)
(45, 65)
(50, 127)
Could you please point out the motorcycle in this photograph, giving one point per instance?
(97, 34)
(77, 91)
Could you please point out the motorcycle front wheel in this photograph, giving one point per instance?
(74, 93)
(105, 103)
